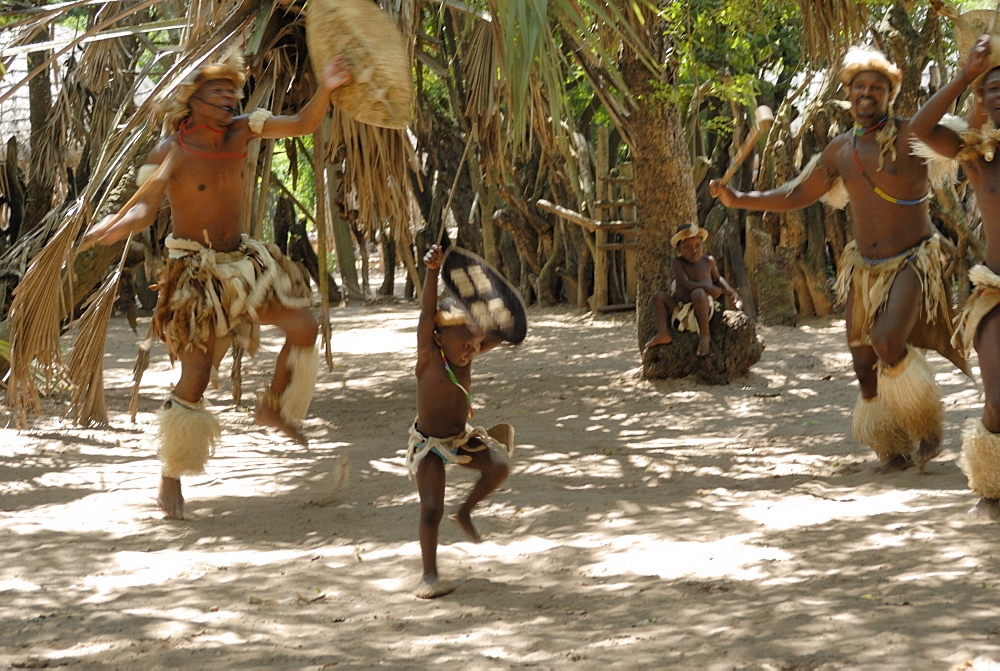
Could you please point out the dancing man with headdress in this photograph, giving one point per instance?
(219, 284)
(979, 322)
(891, 274)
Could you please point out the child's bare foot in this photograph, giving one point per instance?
(703, 342)
(464, 520)
(987, 509)
(267, 415)
(897, 463)
(169, 499)
(431, 588)
(659, 339)
(927, 450)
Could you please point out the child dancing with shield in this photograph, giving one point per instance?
(442, 435)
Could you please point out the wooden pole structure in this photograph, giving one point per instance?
(600, 298)
(629, 214)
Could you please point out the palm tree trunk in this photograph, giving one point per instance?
(664, 189)
(38, 196)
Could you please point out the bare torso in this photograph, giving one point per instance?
(985, 178)
(702, 271)
(881, 228)
(206, 189)
(442, 408)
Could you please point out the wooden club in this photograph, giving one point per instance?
(764, 119)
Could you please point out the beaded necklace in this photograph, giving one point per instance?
(454, 380)
(857, 162)
(860, 130)
(186, 129)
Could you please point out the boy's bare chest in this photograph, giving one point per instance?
(699, 271)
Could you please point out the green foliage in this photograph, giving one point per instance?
(294, 168)
(740, 49)
(434, 94)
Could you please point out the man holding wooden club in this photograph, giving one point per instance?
(891, 274)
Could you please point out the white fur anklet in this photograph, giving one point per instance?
(302, 364)
(877, 429)
(980, 460)
(910, 396)
(187, 436)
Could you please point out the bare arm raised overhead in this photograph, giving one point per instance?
(307, 120)
(924, 124)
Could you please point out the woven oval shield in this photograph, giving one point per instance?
(381, 92)
(489, 300)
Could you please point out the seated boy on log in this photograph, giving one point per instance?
(441, 434)
(698, 286)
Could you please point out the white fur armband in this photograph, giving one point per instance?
(835, 197)
(258, 118)
(144, 173)
(941, 170)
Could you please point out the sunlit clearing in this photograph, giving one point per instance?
(396, 466)
(512, 552)
(93, 650)
(372, 341)
(687, 441)
(137, 569)
(394, 584)
(799, 511)
(802, 393)
(227, 638)
(523, 547)
(16, 585)
(643, 555)
(595, 466)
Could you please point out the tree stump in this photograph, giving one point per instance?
(735, 346)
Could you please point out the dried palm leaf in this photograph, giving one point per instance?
(35, 316)
(86, 362)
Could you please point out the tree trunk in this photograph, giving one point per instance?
(388, 264)
(342, 243)
(774, 293)
(38, 196)
(665, 199)
(734, 348)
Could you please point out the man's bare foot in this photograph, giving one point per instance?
(703, 341)
(927, 450)
(987, 509)
(659, 339)
(169, 499)
(269, 416)
(464, 520)
(896, 464)
(431, 588)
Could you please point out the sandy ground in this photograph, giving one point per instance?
(664, 525)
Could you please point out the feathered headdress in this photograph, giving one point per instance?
(869, 59)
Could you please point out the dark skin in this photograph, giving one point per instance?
(882, 229)
(985, 179)
(204, 182)
(442, 411)
(698, 283)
